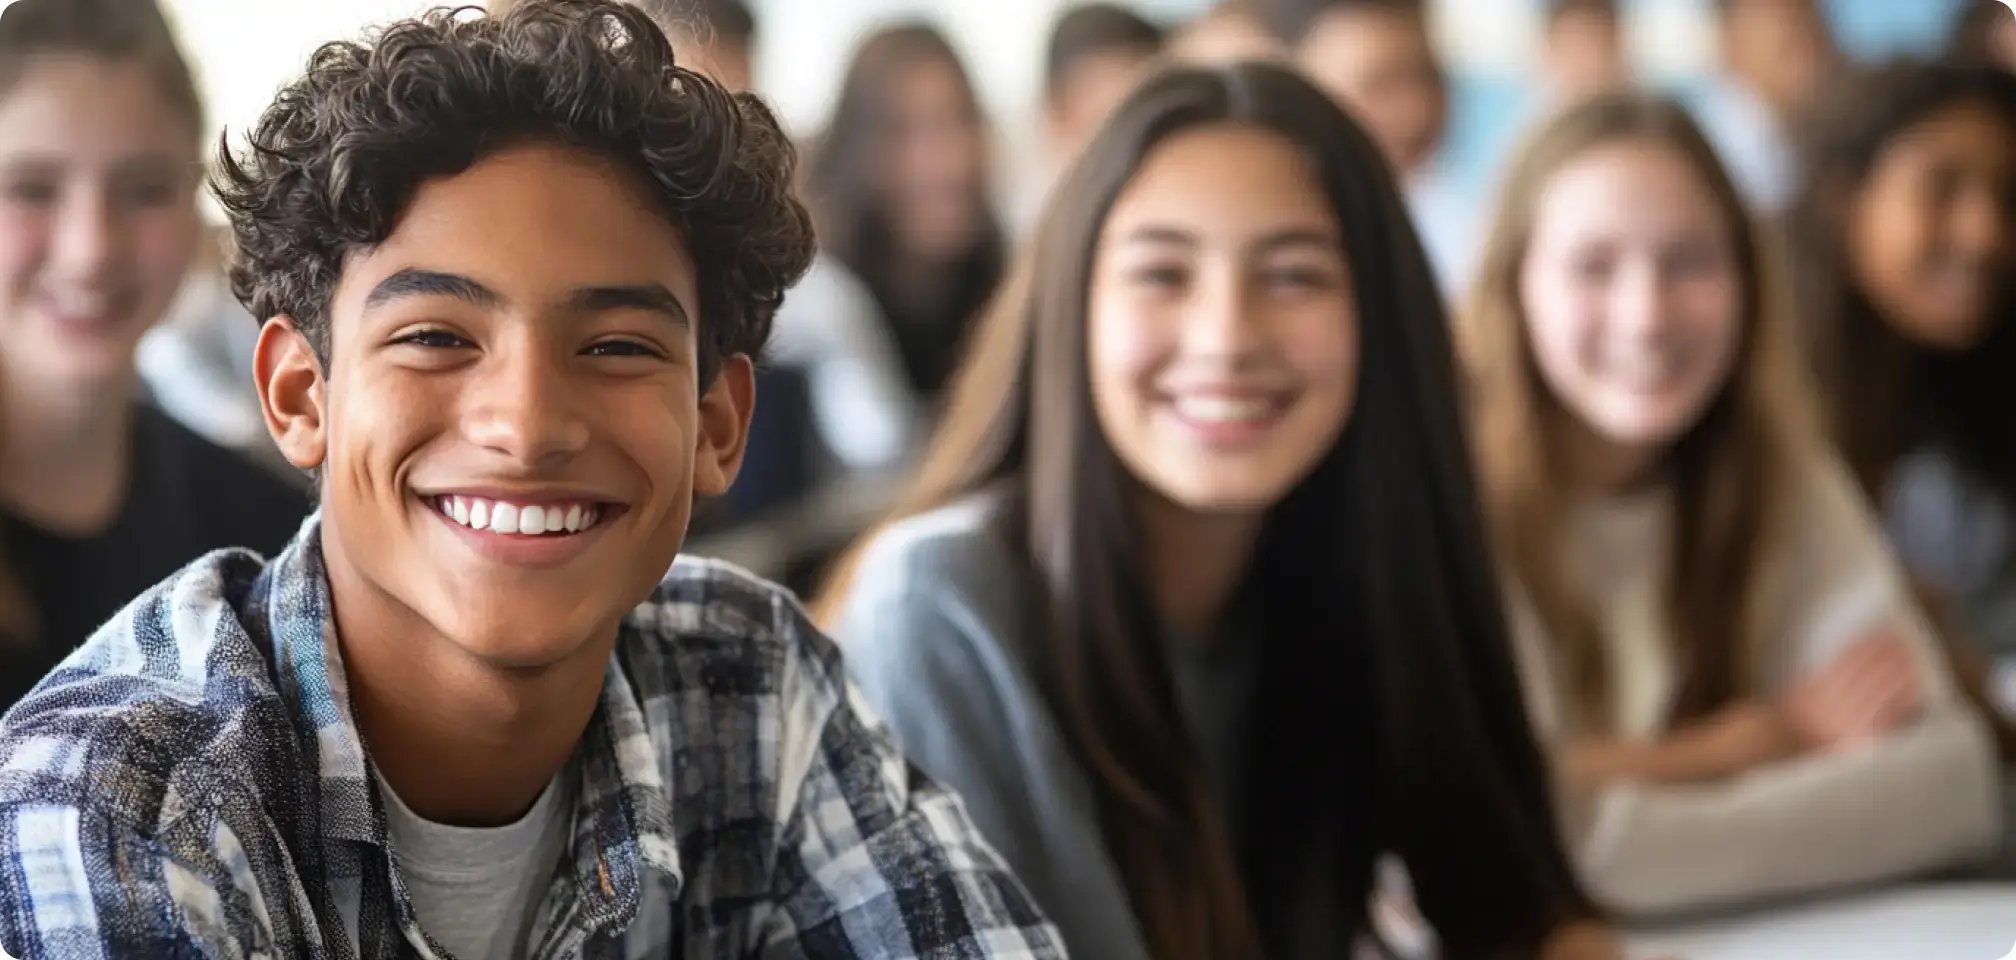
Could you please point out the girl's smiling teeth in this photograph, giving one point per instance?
(1222, 408)
(527, 519)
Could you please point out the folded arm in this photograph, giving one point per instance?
(1916, 800)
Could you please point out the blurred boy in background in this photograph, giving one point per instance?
(1097, 53)
(1229, 32)
(1376, 59)
(1776, 57)
(1583, 49)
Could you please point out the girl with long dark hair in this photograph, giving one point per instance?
(1191, 601)
(1905, 237)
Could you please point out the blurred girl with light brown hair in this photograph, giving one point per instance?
(1740, 696)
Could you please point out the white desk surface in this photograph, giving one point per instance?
(1930, 922)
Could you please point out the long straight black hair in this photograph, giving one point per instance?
(1389, 716)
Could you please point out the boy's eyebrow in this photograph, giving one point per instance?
(644, 296)
(414, 282)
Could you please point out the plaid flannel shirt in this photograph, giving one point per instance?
(191, 783)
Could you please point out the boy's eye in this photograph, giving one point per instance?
(433, 339)
(620, 348)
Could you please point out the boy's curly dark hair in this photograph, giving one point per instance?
(336, 158)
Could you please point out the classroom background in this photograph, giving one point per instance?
(848, 402)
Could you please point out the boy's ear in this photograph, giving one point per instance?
(291, 392)
(724, 426)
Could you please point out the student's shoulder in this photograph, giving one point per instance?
(178, 446)
(167, 709)
(949, 551)
(242, 503)
(939, 599)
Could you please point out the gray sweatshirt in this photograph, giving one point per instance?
(937, 630)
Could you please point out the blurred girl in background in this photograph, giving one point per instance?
(100, 495)
(900, 189)
(1191, 602)
(1741, 698)
(1906, 236)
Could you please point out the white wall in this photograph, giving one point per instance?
(243, 49)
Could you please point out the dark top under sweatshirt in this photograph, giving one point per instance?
(185, 498)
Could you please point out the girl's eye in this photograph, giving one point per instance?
(1296, 278)
(1160, 276)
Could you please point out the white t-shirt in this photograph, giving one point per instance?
(476, 890)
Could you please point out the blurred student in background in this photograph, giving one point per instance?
(1096, 55)
(1229, 32)
(1742, 699)
(1776, 57)
(1200, 501)
(1582, 50)
(1984, 35)
(100, 495)
(1375, 58)
(900, 184)
(1906, 236)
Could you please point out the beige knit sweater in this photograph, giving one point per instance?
(1925, 797)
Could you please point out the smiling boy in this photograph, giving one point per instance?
(513, 272)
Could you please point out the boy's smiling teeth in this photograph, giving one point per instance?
(530, 519)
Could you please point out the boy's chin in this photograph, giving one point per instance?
(526, 642)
